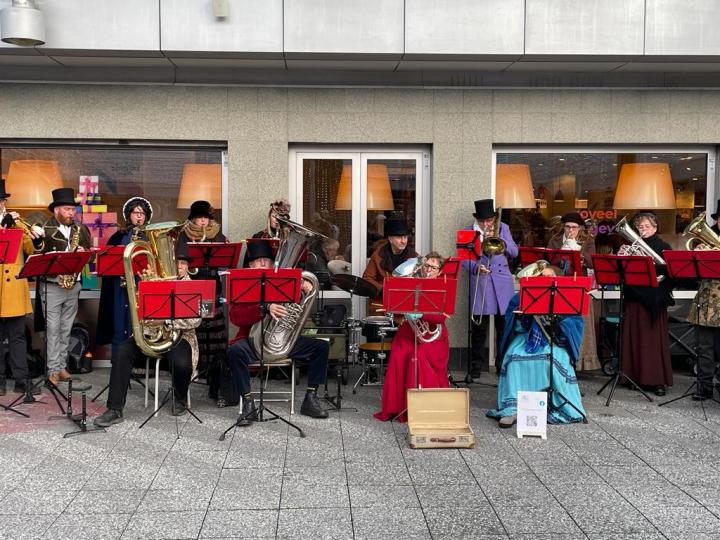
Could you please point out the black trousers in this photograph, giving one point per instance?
(312, 351)
(707, 339)
(13, 329)
(179, 358)
(480, 344)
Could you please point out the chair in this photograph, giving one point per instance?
(157, 383)
(285, 363)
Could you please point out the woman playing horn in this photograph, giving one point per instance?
(432, 356)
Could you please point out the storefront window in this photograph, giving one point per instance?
(587, 182)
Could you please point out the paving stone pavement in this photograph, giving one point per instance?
(634, 471)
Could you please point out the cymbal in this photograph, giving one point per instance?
(339, 267)
(354, 285)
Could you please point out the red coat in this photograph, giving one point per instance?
(244, 316)
(432, 361)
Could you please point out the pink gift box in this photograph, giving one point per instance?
(87, 185)
(102, 226)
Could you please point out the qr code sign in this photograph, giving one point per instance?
(531, 421)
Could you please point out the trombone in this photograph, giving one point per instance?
(491, 246)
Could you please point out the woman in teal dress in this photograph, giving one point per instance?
(525, 349)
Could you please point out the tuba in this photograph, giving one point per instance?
(533, 269)
(411, 268)
(701, 234)
(638, 245)
(159, 248)
(275, 339)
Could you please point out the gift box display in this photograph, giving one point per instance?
(88, 188)
(102, 226)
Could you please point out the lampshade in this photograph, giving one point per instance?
(200, 182)
(644, 185)
(379, 193)
(513, 187)
(30, 182)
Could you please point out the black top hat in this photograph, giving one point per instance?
(259, 248)
(717, 210)
(396, 226)
(182, 254)
(201, 209)
(573, 217)
(484, 208)
(62, 197)
(3, 193)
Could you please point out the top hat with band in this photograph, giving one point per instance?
(62, 197)
(484, 209)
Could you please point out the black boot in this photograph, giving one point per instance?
(109, 417)
(179, 409)
(248, 412)
(311, 406)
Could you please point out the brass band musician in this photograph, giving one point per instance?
(15, 298)
(62, 292)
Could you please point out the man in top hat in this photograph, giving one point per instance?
(202, 227)
(491, 285)
(15, 298)
(182, 358)
(115, 327)
(61, 232)
(715, 227)
(312, 351)
(387, 257)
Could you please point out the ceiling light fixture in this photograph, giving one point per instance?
(22, 24)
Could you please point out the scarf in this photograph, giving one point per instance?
(195, 233)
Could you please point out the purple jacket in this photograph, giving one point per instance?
(501, 285)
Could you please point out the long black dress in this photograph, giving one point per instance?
(646, 344)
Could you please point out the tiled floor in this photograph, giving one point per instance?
(635, 471)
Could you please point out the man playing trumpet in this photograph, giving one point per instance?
(15, 297)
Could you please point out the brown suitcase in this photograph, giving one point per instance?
(439, 418)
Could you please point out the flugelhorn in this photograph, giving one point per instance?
(701, 234)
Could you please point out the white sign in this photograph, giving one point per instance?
(532, 414)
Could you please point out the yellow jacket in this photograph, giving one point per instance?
(15, 293)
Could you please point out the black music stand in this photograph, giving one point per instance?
(696, 265)
(469, 248)
(620, 270)
(264, 286)
(552, 296)
(45, 265)
(10, 240)
(206, 256)
(169, 301)
(109, 263)
(419, 296)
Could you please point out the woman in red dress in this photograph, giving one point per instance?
(432, 358)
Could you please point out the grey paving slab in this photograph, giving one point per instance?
(389, 523)
(99, 526)
(25, 501)
(300, 494)
(464, 522)
(240, 524)
(170, 525)
(546, 516)
(320, 475)
(451, 496)
(253, 495)
(105, 502)
(374, 496)
(378, 474)
(174, 500)
(684, 519)
(603, 516)
(25, 526)
(315, 523)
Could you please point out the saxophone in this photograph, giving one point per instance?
(67, 281)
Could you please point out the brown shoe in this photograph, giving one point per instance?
(64, 375)
(54, 378)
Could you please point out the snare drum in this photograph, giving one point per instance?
(373, 327)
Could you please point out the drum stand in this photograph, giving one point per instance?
(350, 349)
(382, 355)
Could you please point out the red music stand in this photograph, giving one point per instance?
(10, 241)
(419, 296)
(620, 270)
(45, 265)
(264, 286)
(545, 296)
(556, 257)
(451, 267)
(109, 262)
(214, 254)
(169, 301)
(468, 245)
(704, 264)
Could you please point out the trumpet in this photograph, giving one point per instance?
(34, 231)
